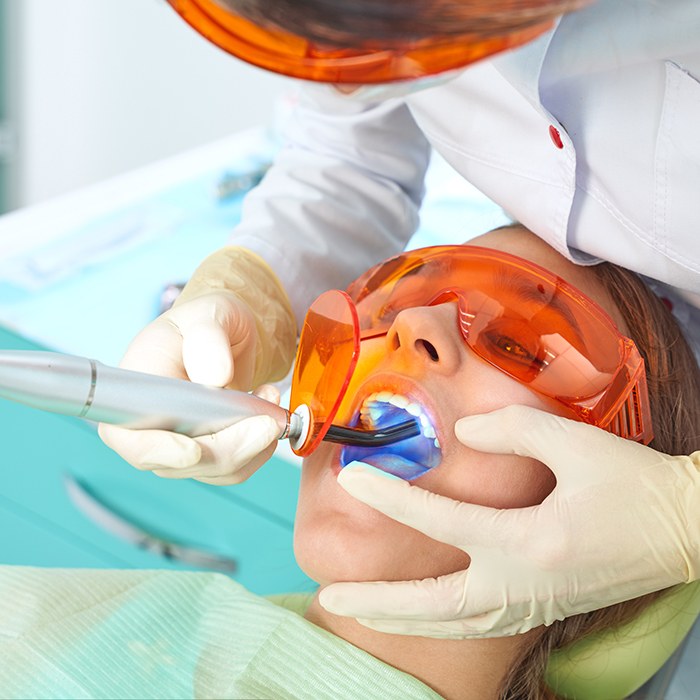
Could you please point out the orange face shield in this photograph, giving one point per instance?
(289, 54)
(523, 320)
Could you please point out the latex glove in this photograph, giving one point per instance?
(623, 521)
(232, 326)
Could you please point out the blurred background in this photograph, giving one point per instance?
(94, 88)
(127, 143)
(118, 126)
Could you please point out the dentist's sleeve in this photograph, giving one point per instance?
(622, 521)
(343, 193)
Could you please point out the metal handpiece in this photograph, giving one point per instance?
(78, 386)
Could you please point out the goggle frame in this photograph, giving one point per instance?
(621, 406)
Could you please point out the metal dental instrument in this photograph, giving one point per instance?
(78, 386)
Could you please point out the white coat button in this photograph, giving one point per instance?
(556, 137)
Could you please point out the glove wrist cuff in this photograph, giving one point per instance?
(694, 516)
(251, 280)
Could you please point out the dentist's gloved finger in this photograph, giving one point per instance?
(452, 522)
(518, 430)
(218, 341)
(176, 456)
(206, 353)
(229, 450)
(468, 628)
(240, 454)
(151, 449)
(444, 599)
(421, 629)
(269, 392)
(562, 444)
(197, 473)
(164, 473)
(157, 349)
(244, 472)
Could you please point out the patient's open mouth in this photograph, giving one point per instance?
(407, 459)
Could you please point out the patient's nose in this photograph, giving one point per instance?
(429, 335)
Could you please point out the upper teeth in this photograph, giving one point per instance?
(369, 411)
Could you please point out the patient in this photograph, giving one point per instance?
(145, 634)
(424, 357)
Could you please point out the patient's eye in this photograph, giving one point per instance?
(513, 348)
(388, 311)
(513, 344)
(391, 308)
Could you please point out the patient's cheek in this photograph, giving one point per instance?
(544, 484)
(494, 481)
(521, 483)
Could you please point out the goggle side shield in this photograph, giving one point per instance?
(525, 321)
(329, 347)
(297, 57)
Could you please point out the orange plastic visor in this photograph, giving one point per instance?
(329, 347)
(289, 54)
(520, 318)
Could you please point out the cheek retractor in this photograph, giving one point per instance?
(407, 459)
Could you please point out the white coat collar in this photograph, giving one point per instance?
(522, 68)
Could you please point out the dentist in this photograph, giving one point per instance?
(580, 119)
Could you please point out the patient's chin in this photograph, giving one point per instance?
(332, 557)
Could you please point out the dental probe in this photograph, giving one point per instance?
(86, 388)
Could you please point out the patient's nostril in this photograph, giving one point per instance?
(429, 348)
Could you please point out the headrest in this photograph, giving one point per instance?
(614, 663)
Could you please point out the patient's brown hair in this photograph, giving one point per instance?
(674, 392)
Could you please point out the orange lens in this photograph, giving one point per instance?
(556, 351)
(328, 350)
(295, 56)
(525, 321)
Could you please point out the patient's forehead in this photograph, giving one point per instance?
(521, 242)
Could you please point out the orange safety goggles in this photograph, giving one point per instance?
(293, 55)
(522, 319)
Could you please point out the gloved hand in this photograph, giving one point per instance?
(623, 521)
(232, 326)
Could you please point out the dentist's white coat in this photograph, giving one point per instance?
(618, 81)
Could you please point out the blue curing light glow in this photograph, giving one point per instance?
(407, 459)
